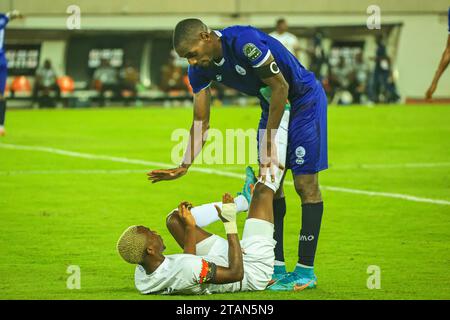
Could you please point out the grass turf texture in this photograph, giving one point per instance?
(51, 221)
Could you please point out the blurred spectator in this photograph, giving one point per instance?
(359, 79)
(288, 39)
(383, 80)
(172, 77)
(44, 84)
(129, 79)
(340, 79)
(105, 79)
(317, 56)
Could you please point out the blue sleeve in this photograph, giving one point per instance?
(197, 80)
(3, 21)
(253, 47)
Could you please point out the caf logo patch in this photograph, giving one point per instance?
(251, 51)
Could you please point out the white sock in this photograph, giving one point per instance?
(304, 266)
(241, 203)
(206, 214)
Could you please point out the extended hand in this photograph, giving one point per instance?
(268, 163)
(166, 174)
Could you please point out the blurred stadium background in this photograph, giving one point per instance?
(134, 37)
(72, 179)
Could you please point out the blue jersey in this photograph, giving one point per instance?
(3, 22)
(245, 48)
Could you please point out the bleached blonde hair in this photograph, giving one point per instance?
(131, 245)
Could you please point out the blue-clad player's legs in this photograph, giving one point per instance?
(307, 154)
(4, 20)
(3, 77)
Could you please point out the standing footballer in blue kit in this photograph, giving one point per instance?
(4, 19)
(252, 62)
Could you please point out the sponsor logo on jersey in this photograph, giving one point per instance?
(251, 51)
(240, 70)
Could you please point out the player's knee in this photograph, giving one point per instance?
(308, 191)
(172, 220)
(261, 191)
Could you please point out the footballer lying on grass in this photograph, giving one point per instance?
(209, 263)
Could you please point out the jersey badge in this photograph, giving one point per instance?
(251, 51)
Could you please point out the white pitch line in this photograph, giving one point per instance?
(387, 194)
(83, 155)
(392, 166)
(76, 171)
(213, 172)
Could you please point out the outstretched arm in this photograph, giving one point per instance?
(197, 139)
(199, 127)
(271, 75)
(443, 64)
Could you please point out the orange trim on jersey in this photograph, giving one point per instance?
(204, 271)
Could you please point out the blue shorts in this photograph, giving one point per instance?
(3, 75)
(307, 151)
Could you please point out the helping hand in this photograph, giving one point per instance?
(269, 163)
(166, 174)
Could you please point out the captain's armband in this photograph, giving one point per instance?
(268, 70)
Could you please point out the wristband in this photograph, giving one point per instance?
(230, 227)
(229, 212)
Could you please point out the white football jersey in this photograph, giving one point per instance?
(181, 274)
(288, 40)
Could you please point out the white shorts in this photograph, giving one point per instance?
(258, 247)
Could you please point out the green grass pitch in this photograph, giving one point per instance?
(58, 210)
